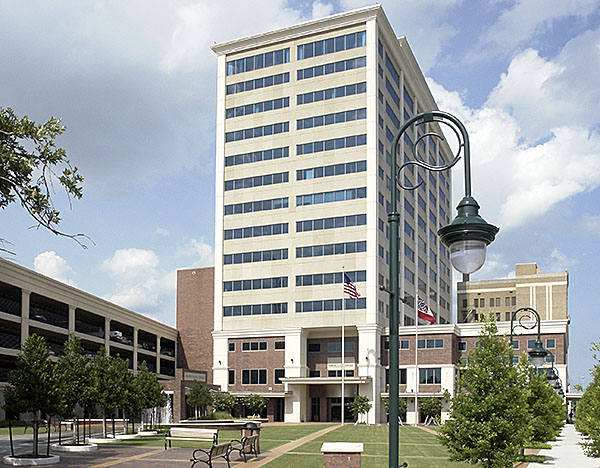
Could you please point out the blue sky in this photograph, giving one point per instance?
(134, 82)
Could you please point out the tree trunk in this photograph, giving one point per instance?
(48, 443)
(104, 422)
(113, 424)
(35, 438)
(12, 448)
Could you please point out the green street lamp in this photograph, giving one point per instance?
(538, 353)
(466, 237)
(552, 377)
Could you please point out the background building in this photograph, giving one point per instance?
(33, 303)
(305, 120)
(546, 293)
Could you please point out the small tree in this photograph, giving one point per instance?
(360, 405)
(150, 391)
(401, 405)
(199, 397)
(224, 402)
(31, 386)
(546, 409)
(71, 374)
(489, 418)
(587, 418)
(431, 407)
(255, 403)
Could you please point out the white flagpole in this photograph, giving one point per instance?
(417, 357)
(343, 326)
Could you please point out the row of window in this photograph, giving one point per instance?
(257, 156)
(255, 309)
(256, 132)
(550, 344)
(256, 231)
(260, 205)
(431, 343)
(258, 256)
(258, 61)
(331, 373)
(331, 93)
(333, 67)
(330, 197)
(334, 44)
(330, 119)
(258, 83)
(331, 249)
(332, 347)
(256, 376)
(258, 283)
(331, 304)
(332, 144)
(330, 278)
(257, 181)
(494, 302)
(257, 107)
(256, 346)
(331, 223)
(332, 170)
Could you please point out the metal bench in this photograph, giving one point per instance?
(247, 445)
(188, 433)
(207, 456)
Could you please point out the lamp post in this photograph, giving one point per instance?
(466, 237)
(538, 353)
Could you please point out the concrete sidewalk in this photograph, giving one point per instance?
(566, 452)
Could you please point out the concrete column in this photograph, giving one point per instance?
(369, 340)
(157, 354)
(107, 334)
(135, 348)
(221, 361)
(71, 318)
(24, 315)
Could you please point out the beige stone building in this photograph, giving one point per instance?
(33, 303)
(544, 292)
(305, 120)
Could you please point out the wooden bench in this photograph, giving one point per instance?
(188, 433)
(246, 445)
(216, 451)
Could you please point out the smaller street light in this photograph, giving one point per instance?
(552, 377)
(538, 353)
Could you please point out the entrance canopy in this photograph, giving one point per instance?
(326, 380)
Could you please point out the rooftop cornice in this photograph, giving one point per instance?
(336, 21)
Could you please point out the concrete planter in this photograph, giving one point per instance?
(22, 461)
(147, 433)
(102, 440)
(74, 448)
(129, 436)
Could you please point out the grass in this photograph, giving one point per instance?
(417, 447)
(270, 437)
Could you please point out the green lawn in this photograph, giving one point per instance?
(270, 437)
(417, 447)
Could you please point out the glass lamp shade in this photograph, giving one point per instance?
(538, 354)
(552, 377)
(467, 256)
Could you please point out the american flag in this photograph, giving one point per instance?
(424, 312)
(349, 288)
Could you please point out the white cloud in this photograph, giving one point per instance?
(320, 9)
(529, 18)
(161, 232)
(50, 264)
(590, 224)
(201, 253)
(543, 94)
(140, 283)
(531, 144)
(423, 22)
(558, 261)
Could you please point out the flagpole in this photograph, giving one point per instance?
(343, 326)
(417, 356)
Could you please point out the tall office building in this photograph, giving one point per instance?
(305, 120)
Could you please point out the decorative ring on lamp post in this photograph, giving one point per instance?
(538, 353)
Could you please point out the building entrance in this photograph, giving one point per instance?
(335, 409)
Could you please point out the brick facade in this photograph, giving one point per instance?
(269, 359)
(195, 313)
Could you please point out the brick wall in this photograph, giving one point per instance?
(195, 313)
(318, 360)
(270, 360)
